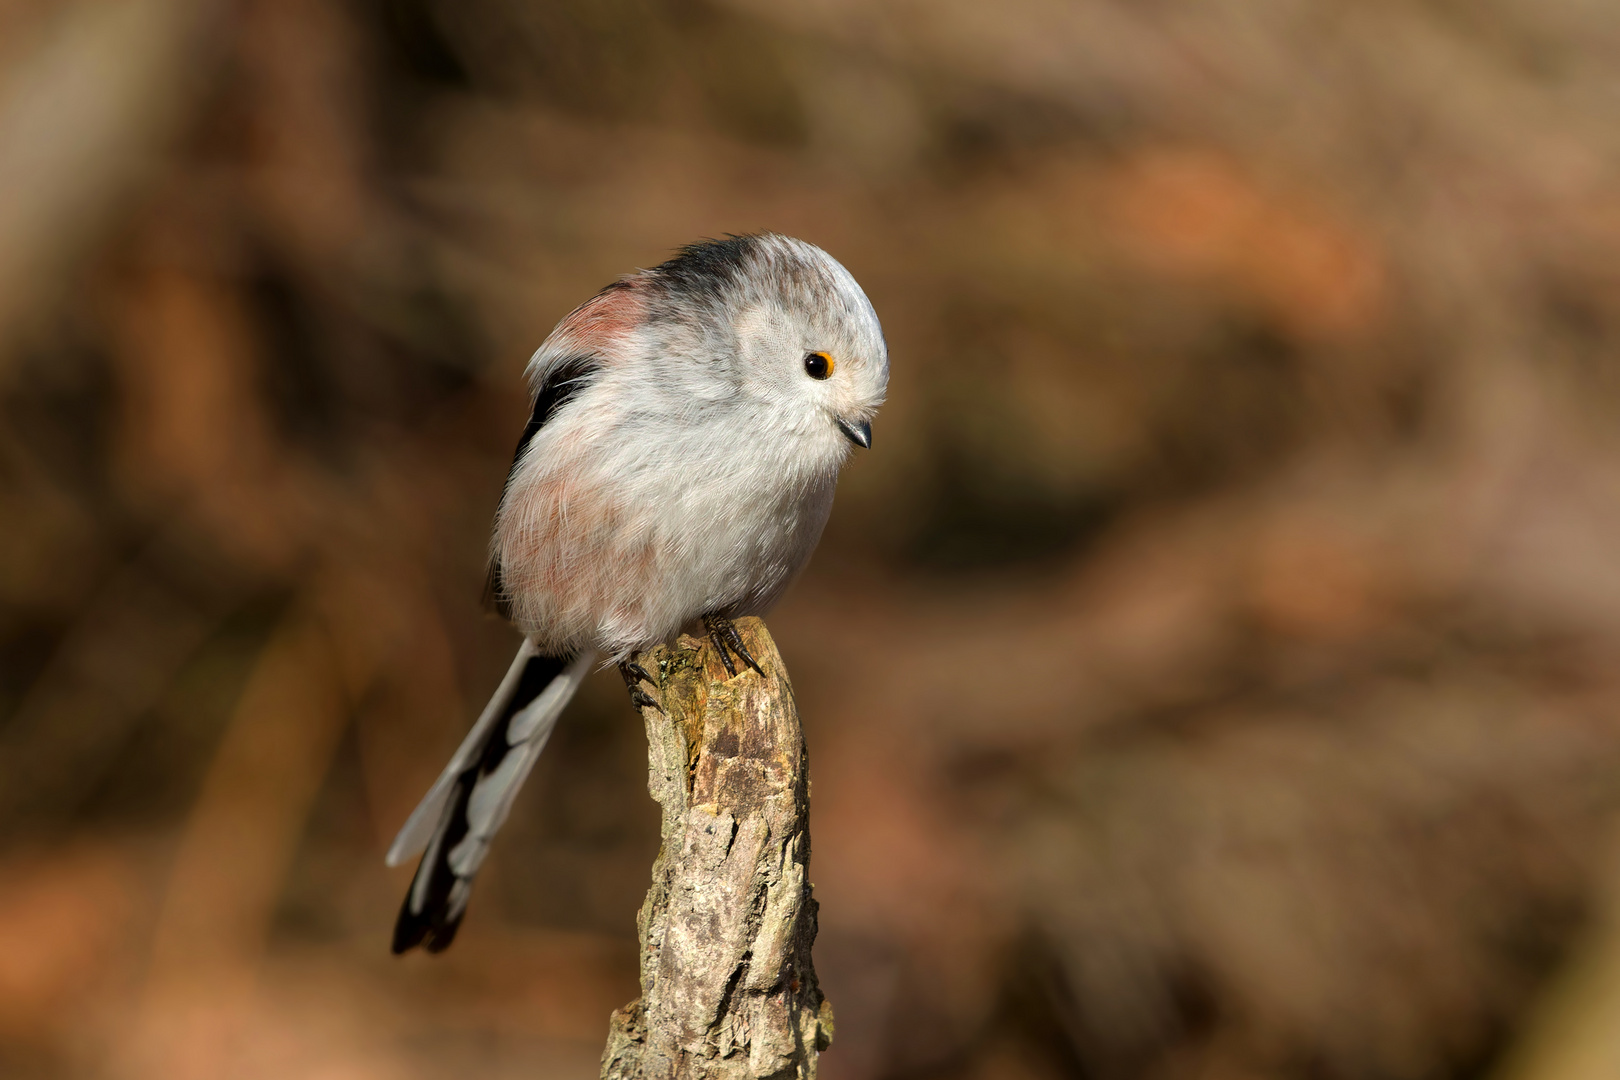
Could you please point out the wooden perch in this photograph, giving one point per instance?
(727, 986)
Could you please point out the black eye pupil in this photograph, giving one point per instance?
(816, 366)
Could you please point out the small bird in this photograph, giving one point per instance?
(688, 425)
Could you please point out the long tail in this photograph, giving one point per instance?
(457, 818)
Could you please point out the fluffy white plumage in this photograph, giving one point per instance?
(688, 427)
(694, 470)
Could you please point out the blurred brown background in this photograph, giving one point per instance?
(1210, 674)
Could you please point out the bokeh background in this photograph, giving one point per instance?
(1210, 674)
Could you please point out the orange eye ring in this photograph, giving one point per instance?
(818, 365)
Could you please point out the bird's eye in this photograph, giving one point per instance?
(818, 365)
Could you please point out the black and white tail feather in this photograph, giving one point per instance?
(453, 825)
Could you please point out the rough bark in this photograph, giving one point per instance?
(727, 986)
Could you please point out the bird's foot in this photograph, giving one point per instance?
(634, 675)
(726, 641)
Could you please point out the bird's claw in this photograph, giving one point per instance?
(634, 675)
(725, 639)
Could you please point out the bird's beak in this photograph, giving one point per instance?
(860, 434)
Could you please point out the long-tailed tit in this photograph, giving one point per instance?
(688, 427)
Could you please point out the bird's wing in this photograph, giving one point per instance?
(588, 338)
(565, 380)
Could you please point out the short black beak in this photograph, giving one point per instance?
(860, 434)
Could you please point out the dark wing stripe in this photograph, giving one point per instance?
(431, 913)
(566, 380)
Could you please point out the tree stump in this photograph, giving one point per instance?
(727, 985)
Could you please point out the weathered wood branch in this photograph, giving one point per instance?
(728, 990)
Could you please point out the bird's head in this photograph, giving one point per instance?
(799, 337)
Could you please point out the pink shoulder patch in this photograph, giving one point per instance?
(603, 323)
